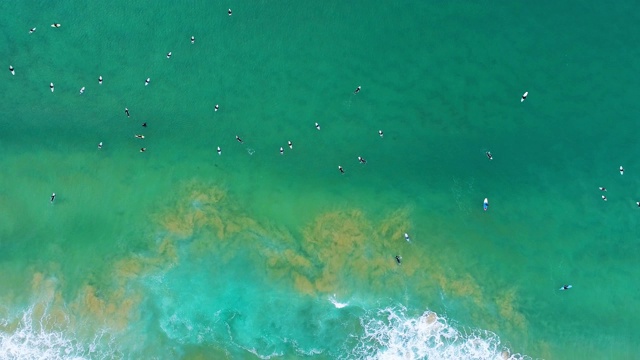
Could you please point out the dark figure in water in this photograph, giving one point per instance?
(341, 169)
(144, 124)
(53, 197)
(398, 259)
(362, 160)
(239, 140)
(126, 111)
(489, 156)
(357, 90)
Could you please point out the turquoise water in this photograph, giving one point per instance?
(181, 253)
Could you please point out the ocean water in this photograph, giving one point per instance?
(181, 253)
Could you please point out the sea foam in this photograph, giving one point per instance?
(32, 337)
(390, 334)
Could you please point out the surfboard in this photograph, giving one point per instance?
(568, 287)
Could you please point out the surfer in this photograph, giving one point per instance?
(229, 12)
(32, 30)
(317, 126)
(524, 96)
(219, 151)
(341, 169)
(602, 188)
(55, 25)
(362, 160)
(604, 198)
(11, 70)
(144, 124)
(143, 149)
(485, 204)
(281, 151)
(169, 55)
(193, 39)
(239, 140)
(146, 82)
(566, 287)
(216, 107)
(357, 89)
(406, 237)
(638, 203)
(51, 87)
(139, 136)
(82, 90)
(100, 79)
(380, 133)
(489, 155)
(126, 111)
(53, 197)
(100, 145)
(621, 170)
(290, 144)
(398, 259)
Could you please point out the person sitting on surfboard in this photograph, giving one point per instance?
(566, 287)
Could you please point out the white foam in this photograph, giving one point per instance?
(44, 338)
(391, 334)
(336, 303)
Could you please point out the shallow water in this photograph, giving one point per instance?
(179, 252)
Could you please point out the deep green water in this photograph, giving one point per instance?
(178, 252)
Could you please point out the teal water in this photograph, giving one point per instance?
(179, 253)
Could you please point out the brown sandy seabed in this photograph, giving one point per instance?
(342, 252)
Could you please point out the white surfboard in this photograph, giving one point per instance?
(568, 287)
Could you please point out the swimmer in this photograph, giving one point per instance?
(100, 145)
(566, 287)
(317, 126)
(144, 124)
(169, 55)
(362, 160)
(139, 136)
(341, 169)
(290, 144)
(281, 151)
(524, 96)
(621, 170)
(357, 89)
(100, 79)
(32, 30)
(219, 151)
(380, 133)
(53, 197)
(239, 140)
(485, 204)
(406, 237)
(143, 149)
(602, 189)
(229, 12)
(55, 25)
(11, 70)
(126, 111)
(193, 39)
(215, 108)
(51, 87)
(146, 82)
(604, 198)
(398, 259)
(489, 155)
(82, 90)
